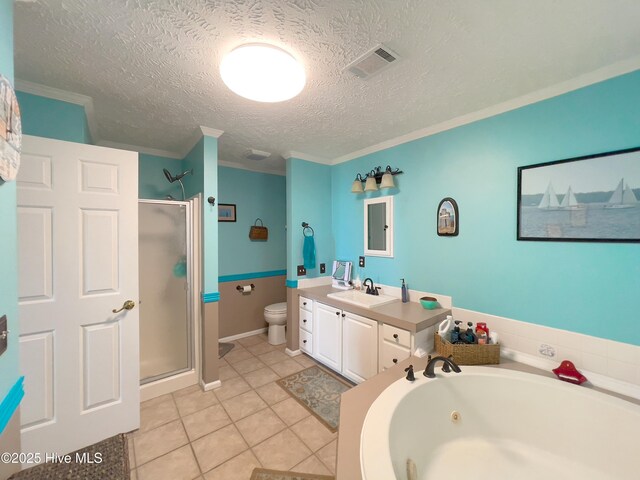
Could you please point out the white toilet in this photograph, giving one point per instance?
(276, 316)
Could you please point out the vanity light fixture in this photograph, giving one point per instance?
(262, 72)
(375, 177)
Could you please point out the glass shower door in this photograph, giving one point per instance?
(165, 323)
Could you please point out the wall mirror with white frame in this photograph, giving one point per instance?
(378, 226)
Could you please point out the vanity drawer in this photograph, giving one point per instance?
(396, 336)
(306, 320)
(306, 303)
(392, 354)
(306, 342)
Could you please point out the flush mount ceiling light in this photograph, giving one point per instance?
(262, 72)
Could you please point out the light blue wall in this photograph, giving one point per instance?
(309, 200)
(45, 117)
(151, 180)
(203, 159)
(591, 288)
(8, 240)
(255, 195)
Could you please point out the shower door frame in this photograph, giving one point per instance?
(190, 375)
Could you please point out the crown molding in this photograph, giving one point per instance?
(211, 132)
(304, 156)
(136, 148)
(199, 132)
(63, 96)
(600, 75)
(257, 169)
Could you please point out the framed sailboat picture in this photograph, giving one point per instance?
(595, 198)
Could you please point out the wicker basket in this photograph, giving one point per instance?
(464, 354)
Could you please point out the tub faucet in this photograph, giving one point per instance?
(448, 362)
(371, 289)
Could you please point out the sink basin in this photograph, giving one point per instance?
(362, 299)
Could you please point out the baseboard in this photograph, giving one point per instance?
(292, 353)
(210, 386)
(243, 335)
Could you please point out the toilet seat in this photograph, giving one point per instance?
(276, 308)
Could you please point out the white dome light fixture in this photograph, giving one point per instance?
(262, 72)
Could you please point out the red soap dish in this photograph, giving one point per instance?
(567, 372)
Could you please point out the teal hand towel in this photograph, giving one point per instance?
(309, 252)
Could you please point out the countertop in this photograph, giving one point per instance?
(355, 403)
(408, 316)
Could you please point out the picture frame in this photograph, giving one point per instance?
(226, 212)
(597, 199)
(447, 218)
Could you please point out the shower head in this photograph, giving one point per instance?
(179, 176)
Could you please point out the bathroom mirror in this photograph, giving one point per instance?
(378, 226)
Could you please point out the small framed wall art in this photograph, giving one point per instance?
(10, 131)
(448, 218)
(226, 212)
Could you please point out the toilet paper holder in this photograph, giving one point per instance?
(245, 288)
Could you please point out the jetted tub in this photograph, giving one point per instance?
(490, 423)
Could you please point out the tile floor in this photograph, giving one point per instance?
(224, 434)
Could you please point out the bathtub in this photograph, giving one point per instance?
(490, 423)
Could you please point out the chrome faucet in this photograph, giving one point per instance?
(371, 290)
(448, 362)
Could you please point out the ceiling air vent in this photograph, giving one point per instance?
(254, 154)
(372, 62)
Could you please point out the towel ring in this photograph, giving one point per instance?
(305, 227)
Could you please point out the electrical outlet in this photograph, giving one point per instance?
(301, 270)
(547, 350)
(361, 262)
(323, 268)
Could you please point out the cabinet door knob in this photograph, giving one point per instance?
(304, 321)
(344, 315)
(337, 313)
(395, 360)
(395, 335)
(304, 341)
(304, 303)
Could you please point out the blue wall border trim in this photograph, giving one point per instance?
(10, 403)
(248, 276)
(292, 283)
(211, 297)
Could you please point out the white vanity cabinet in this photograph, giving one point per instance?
(306, 325)
(327, 335)
(359, 347)
(395, 345)
(345, 342)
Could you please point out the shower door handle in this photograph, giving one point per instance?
(128, 305)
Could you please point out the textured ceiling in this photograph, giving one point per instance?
(151, 66)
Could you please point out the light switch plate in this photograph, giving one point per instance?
(301, 270)
(361, 262)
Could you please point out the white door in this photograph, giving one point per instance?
(359, 347)
(78, 260)
(327, 335)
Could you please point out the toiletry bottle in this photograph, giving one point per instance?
(444, 327)
(482, 337)
(482, 327)
(469, 336)
(405, 292)
(455, 334)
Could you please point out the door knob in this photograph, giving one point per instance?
(128, 305)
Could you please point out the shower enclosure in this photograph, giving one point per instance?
(167, 327)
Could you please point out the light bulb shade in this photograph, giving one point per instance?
(263, 73)
(356, 187)
(387, 181)
(370, 185)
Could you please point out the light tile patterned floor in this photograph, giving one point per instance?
(224, 434)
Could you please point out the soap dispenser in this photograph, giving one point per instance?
(405, 292)
(455, 334)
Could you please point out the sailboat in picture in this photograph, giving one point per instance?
(569, 201)
(622, 197)
(549, 199)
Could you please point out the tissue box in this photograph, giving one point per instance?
(464, 354)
